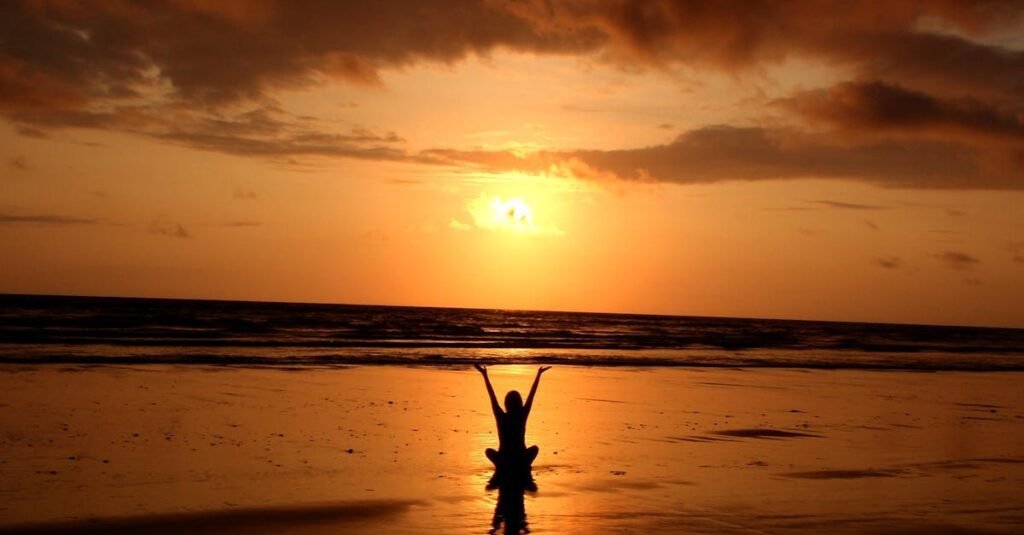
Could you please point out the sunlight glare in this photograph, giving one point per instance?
(513, 214)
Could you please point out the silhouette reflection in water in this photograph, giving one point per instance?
(513, 461)
(510, 510)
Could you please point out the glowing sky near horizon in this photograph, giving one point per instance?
(849, 161)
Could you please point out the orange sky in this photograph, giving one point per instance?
(818, 160)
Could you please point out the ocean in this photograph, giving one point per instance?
(100, 330)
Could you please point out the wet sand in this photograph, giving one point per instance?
(394, 449)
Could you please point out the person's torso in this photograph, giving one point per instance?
(511, 433)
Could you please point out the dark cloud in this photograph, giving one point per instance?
(1016, 250)
(259, 132)
(169, 229)
(948, 86)
(45, 219)
(19, 162)
(720, 153)
(872, 38)
(204, 75)
(244, 194)
(178, 71)
(66, 54)
(889, 262)
(957, 260)
(296, 144)
(243, 224)
(848, 205)
(941, 63)
(29, 131)
(69, 53)
(876, 106)
(791, 209)
(871, 224)
(809, 232)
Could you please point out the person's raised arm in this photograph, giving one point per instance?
(533, 390)
(490, 390)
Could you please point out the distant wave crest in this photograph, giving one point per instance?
(80, 330)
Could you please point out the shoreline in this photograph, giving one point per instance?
(897, 362)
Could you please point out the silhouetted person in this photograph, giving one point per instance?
(512, 451)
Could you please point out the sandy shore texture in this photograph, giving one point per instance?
(400, 450)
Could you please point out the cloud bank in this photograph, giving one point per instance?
(934, 99)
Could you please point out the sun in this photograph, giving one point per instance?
(506, 214)
(513, 213)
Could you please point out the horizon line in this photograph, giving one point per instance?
(545, 311)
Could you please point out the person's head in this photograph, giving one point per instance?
(513, 402)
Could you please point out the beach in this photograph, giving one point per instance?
(368, 449)
(258, 258)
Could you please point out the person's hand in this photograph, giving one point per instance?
(481, 368)
(543, 369)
